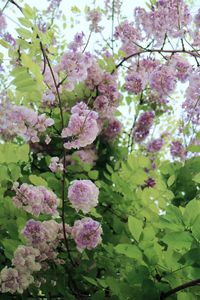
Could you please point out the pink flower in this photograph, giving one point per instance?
(13, 281)
(83, 195)
(25, 259)
(113, 129)
(143, 126)
(94, 16)
(87, 234)
(82, 127)
(36, 200)
(155, 145)
(55, 166)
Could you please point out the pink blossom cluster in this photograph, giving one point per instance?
(107, 99)
(43, 239)
(87, 155)
(169, 17)
(192, 103)
(113, 5)
(36, 200)
(55, 165)
(155, 145)
(182, 67)
(83, 195)
(129, 36)
(82, 127)
(86, 233)
(143, 126)
(139, 74)
(22, 121)
(163, 80)
(113, 129)
(94, 16)
(74, 64)
(177, 149)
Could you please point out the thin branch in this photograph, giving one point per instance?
(179, 288)
(113, 23)
(88, 40)
(192, 53)
(17, 5)
(1, 11)
(64, 159)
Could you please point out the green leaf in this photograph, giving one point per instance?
(135, 226)
(90, 280)
(12, 153)
(93, 174)
(10, 246)
(196, 178)
(178, 240)
(196, 228)
(191, 211)
(131, 251)
(38, 181)
(171, 180)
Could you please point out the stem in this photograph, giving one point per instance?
(2, 10)
(181, 287)
(64, 159)
(17, 5)
(88, 40)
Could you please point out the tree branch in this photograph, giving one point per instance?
(181, 287)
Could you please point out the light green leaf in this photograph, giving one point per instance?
(38, 181)
(129, 250)
(135, 226)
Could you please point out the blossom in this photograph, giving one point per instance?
(134, 83)
(169, 17)
(12, 280)
(87, 156)
(177, 149)
(163, 80)
(192, 103)
(112, 130)
(94, 16)
(94, 75)
(83, 195)
(55, 166)
(182, 66)
(25, 259)
(82, 127)
(143, 126)
(34, 232)
(75, 65)
(36, 200)
(86, 233)
(49, 99)
(21, 121)
(155, 145)
(128, 34)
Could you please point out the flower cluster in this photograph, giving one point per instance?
(22, 121)
(82, 127)
(163, 80)
(94, 16)
(155, 145)
(112, 130)
(86, 233)
(83, 195)
(143, 126)
(192, 102)
(169, 17)
(75, 64)
(36, 200)
(177, 149)
(129, 35)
